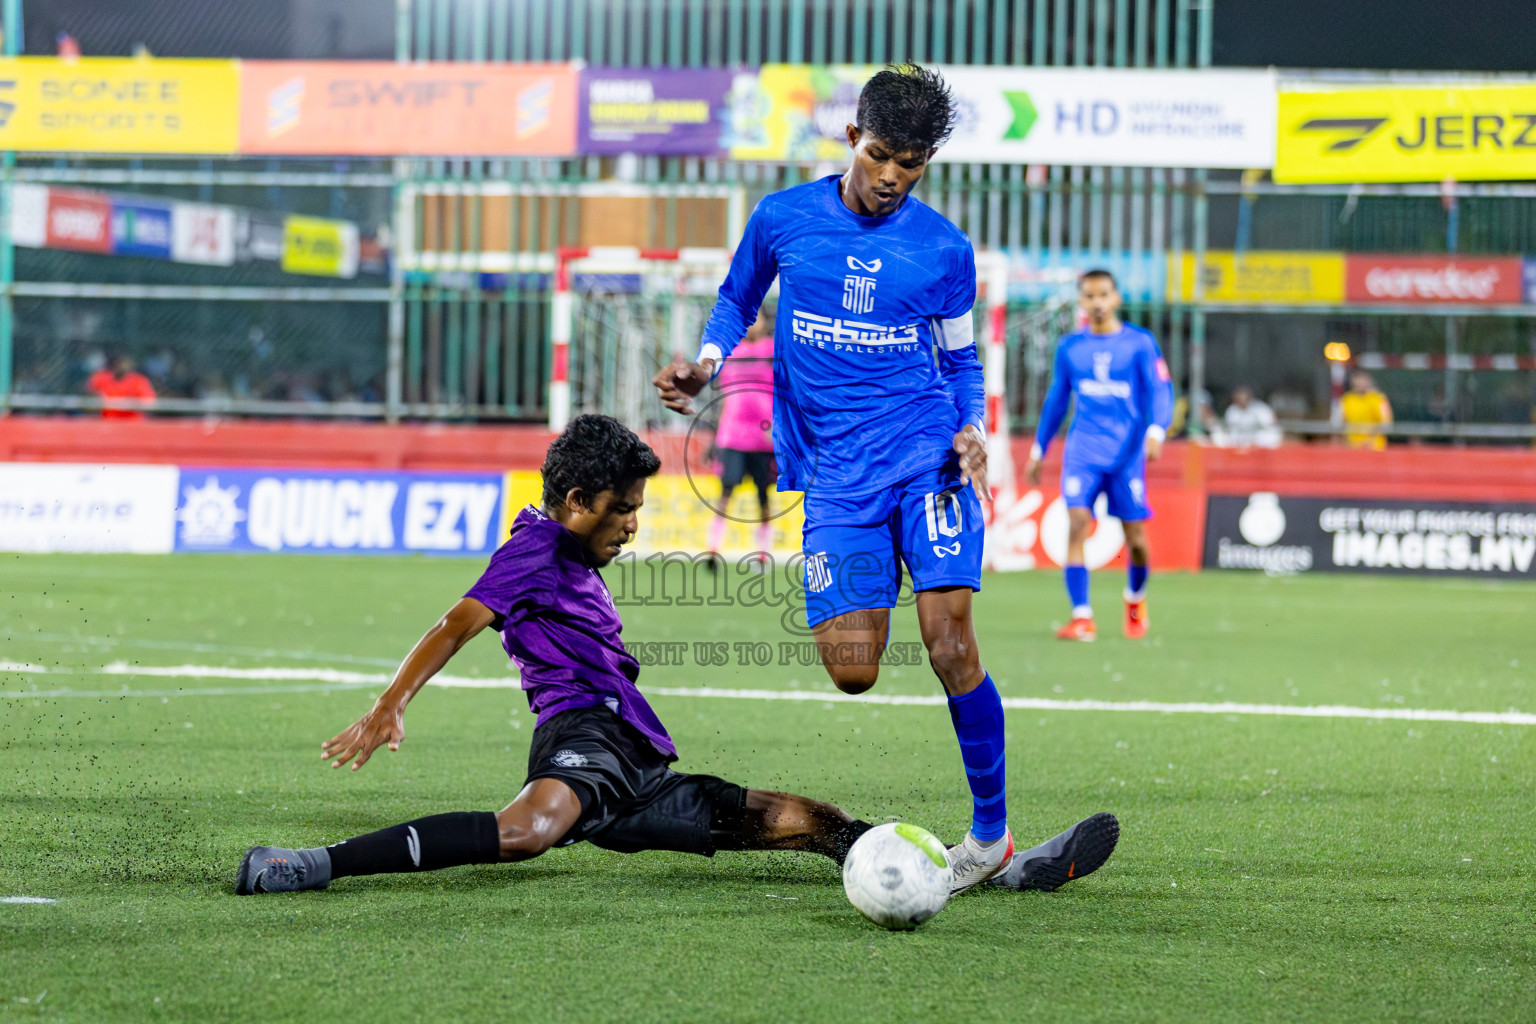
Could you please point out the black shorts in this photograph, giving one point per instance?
(736, 465)
(630, 799)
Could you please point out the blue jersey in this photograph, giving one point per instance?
(1122, 389)
(860, 402)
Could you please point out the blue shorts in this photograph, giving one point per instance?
(855, 547)
(1126, 489)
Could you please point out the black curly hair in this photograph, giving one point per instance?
(908, 107)
(595, 454)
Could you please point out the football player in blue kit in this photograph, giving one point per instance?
(878, 414)
(1124, 402)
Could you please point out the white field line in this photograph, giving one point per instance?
(322, 680)
(27, 899)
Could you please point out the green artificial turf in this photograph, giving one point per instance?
(1270, 868)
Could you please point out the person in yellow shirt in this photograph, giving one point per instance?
(1368, 409)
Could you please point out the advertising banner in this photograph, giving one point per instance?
(203, 234)
(671, 111)
(678, 511)
(80, 221)
(1407, 133)
(119, 105)
(58, 507)
(314, 245)
(1035, 277)
(1029, 530)
(141, 228)
(1259, 277)
(1113, 117)
(802, 112)
(337, 512)
(1530, 281)
(29, 214)
(1286, 535)
(1433, 279)
(377, 108)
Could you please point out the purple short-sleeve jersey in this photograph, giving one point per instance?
(559, 626)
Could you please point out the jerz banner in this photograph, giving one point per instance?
(1281, 535)
(1465, 131)
(377, 108)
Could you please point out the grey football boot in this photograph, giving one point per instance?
(278, 869)
(1080, 850)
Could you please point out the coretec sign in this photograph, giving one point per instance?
(1418, 133)
(1432, 279)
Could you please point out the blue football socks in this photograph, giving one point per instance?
(1136, 581)
(1077, 591)
(978, 718)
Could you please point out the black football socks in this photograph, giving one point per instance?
(426, 844)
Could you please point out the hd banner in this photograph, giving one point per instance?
(1288, 535)
(1467, 132)
(1092, 116)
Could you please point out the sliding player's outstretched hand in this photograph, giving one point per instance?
(972, 449)
(678, 383)
(384, 723)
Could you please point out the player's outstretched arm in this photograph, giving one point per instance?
(384, 722)
(1052, 412)
(678, 383)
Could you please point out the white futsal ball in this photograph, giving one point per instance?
(897, 875)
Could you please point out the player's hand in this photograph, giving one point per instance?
(971, 446)
(1154, 448)
(384, 723)
(678, 383)
(1032, 472)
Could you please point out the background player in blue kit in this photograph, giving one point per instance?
(1124, 402)
(878, 409)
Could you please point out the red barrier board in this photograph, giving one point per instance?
(1432, 279)
(81, 221)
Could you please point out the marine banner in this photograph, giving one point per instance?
(1262, 277)
(1281, 534)
(1468, 132)
(48, 507)
(119, 105)
(376, 108)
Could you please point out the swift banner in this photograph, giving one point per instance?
(1113, 117)
(374, 108)
(1403, 133)
(684, 111)
(1259, 277)
(118, 105)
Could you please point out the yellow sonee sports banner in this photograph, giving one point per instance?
(1259, 277)
(119, 105)
(1465, 132)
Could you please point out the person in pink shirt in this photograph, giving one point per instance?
(744, 437)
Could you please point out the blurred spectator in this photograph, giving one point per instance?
(1250, 423)
(1366, 409)
(121, 381)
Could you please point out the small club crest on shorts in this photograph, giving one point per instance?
(569, 759)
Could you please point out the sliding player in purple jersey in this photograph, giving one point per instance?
(599, 765)
(878, 413)
(1115, 374)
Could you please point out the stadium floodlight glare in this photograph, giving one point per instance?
(1336, 352)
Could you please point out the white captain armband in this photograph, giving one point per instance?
(954, 335)
(1157, 433)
